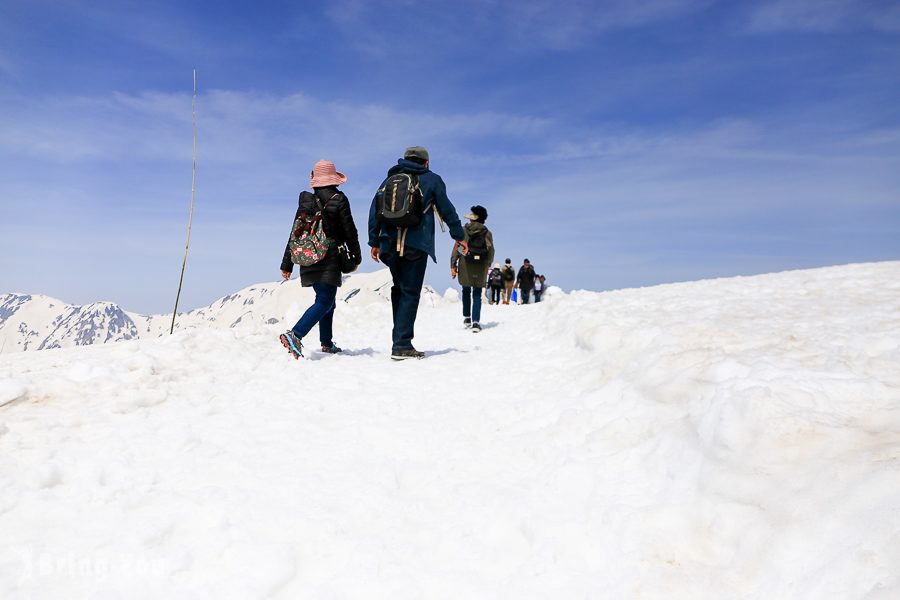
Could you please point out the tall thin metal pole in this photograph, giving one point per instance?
(193, 192)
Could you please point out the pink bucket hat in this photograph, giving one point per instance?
(324, 173)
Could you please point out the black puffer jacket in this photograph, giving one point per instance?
(337, 221)
(525, 279)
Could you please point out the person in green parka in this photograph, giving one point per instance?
(473, 266)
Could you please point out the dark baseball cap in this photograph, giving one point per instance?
(416, 152)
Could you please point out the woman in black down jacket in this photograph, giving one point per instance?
(324, 276)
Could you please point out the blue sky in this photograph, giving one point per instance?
(614, 143)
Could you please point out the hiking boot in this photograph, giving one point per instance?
(467, 322)
(292, 343)
(476, 327)
(332, 349)
(405, 353)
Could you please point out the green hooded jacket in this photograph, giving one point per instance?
(469, 273)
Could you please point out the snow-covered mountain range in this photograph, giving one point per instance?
(36, 322)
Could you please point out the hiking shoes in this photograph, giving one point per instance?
(406, 353)
(332, 349)
(292, 343)
(476, 327)
(467, 322)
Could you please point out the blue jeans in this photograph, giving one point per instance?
(524, 292)
(408, 272)
(537, 295)
(321, 312)
(471, 299)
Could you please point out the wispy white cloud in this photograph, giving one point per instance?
(273, 138)
(235, 127)
(114, 128)
(527, 23)
(825, 16)
(568, 24)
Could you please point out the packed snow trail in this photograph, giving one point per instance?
(734, 438)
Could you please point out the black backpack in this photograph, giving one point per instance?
(478, 250)
(399, 202)
(496, 278)
(509, 274)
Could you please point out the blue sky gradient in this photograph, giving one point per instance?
(614, 143)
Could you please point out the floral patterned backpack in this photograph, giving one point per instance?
(308, 243)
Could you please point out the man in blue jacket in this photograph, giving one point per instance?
(407, 261)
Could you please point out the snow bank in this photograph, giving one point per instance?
(736, 438)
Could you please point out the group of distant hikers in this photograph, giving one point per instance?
(504, 280)
(324, 243)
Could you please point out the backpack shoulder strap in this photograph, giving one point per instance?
(322, 205)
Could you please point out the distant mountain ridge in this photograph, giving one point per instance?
(35, 322)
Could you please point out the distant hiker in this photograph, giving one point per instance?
(401, 235)
(322, 224)
(509, 280)
(472, 267)
(525, 280)
(538, 288)
(495, 283)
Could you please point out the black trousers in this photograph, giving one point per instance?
(408, 272)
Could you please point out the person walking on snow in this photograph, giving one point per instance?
(509, 280)
(495, 283)
(525, 280)
(538, 288)
(405, 250)
(472, 267)
(323, 276)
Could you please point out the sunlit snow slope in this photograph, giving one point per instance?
(734, 438)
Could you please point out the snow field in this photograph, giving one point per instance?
(735, 438)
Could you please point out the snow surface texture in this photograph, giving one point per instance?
(736, 438)
(36, 322)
